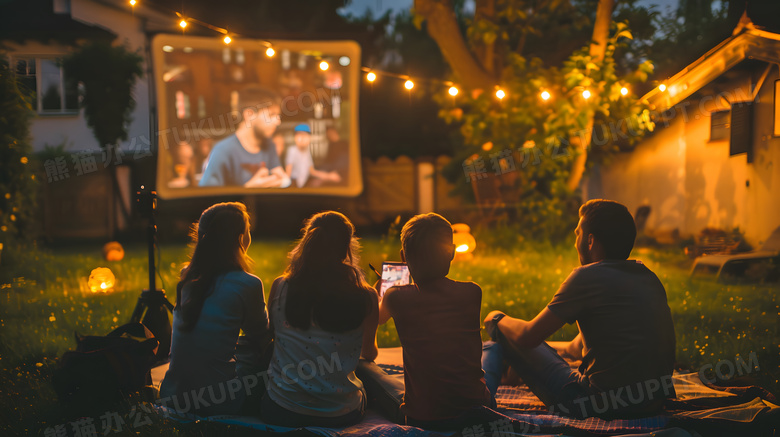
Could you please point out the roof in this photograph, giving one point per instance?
(747, 43)
(22, 20)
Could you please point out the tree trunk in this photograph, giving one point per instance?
(598, 47)
(443, 28)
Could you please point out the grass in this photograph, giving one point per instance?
(40, 313)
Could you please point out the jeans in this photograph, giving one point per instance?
(385, 393)
(547, 375)
(274, 414)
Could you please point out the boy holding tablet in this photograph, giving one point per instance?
(438, 323)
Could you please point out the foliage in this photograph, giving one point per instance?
(17, 178)
(108, 74)
(537, 139)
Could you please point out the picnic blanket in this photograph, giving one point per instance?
(697, 408)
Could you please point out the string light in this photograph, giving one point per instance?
(183, 24)
(227, 39)
(132, 2)
(324, 65)
(409, 84)
(545, 95)
(270, 52)
(624, 91)
(371, 76)
(662, 87)
(500, 93)
(453, 91)
(586, 94)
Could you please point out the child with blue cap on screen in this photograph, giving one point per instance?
(299, 164)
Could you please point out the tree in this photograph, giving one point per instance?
(17, 179)
(510, 46)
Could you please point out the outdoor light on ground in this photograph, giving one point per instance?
(113, 251)
(409, 85)
(463, 240)
(101, 280)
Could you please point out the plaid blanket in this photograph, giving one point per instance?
(698, 407)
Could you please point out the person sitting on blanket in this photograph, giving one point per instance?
(324, 316)
(438, 323)
(217, 298)
(626, 336)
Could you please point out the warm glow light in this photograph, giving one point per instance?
(227, 39)
(500, 94)
(624, 91)
(101, 279)
(463, 240)
(545, 95)
(371, 76)
(132, 2)
(183, 24)
(453, 91)
(324, 65)
(270, 52)
(662, 87)
(462, 248)
(409, 84)
(586, 94)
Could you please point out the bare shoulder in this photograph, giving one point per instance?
(466, 287)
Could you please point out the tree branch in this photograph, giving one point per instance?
(443, 28)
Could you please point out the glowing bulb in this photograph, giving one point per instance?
(270, 52)
(371, 76)
(409, 84)
(624, 91)
(132, 2)
(500, 94)
(182, 24)
(662, 87)
(227, 39)
(545, 95)
(324, 65)
(103, 285)
(453, 91)
(462, 248)
(586, 94)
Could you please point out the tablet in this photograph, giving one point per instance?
(394, 273)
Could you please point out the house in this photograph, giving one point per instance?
(714, 157)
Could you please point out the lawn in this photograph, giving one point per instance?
(714, 322)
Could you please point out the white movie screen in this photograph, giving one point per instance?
(253, 117)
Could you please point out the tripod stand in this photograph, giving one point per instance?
(153, 307)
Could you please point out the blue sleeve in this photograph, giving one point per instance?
(216, 168)
(273, 158)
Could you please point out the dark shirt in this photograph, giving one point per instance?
(439, 329)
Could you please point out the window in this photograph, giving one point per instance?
(720, 125)
(44, 79)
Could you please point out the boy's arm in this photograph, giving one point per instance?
(384, 306)
(527, 334)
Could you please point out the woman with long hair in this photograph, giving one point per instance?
(324, 316)
(217, 298)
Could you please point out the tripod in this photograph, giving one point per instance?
(153, 307)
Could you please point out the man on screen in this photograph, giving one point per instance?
(248, 158)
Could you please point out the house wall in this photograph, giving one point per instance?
(72, 129)
(691, 182)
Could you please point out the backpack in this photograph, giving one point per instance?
(104, 369)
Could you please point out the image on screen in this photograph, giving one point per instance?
(254, 117)
(393, 274)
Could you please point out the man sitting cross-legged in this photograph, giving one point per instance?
(626, 340)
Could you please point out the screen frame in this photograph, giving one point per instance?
(162, 122)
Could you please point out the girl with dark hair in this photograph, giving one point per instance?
(217, 298)
(324, 316)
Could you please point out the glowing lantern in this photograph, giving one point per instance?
(463, 240)
(101, 280)
(113, 251)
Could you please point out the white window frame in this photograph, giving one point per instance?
(39, 86)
